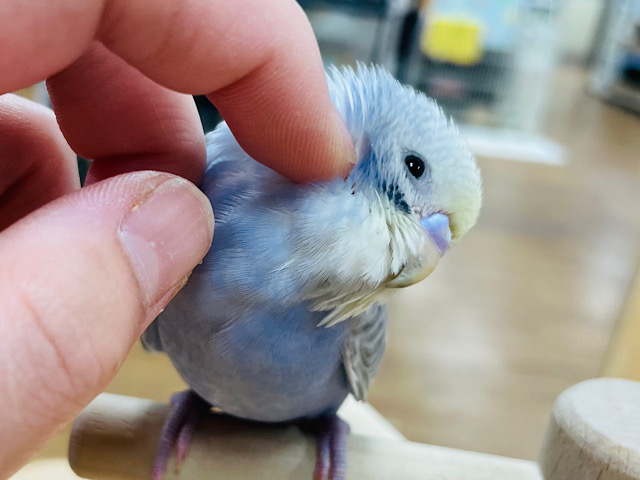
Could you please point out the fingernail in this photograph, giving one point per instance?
(166, 235)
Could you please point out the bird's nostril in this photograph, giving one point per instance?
(437, 225)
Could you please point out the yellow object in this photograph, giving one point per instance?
(454, 40)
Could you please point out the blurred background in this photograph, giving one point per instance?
(543, 292)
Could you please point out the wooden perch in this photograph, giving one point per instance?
(594, 434)
(115, 438)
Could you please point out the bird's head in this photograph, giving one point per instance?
(412, 163)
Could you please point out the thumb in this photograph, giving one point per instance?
(82, 277)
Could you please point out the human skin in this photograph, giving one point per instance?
(85, 271)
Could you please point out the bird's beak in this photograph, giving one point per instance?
(435, 242)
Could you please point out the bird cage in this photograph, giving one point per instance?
(487, 63)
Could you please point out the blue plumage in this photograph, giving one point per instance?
(284, 317)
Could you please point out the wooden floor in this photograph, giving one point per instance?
(522, 309)
(525, 306)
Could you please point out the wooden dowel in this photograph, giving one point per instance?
(594, 432)
(116, 437)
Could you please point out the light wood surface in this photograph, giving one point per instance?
(115, 438)
(594, 433)
(526, 305)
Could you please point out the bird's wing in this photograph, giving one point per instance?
(363, 348)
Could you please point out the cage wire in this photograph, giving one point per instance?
(488, 63)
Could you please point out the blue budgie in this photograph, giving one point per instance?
(286, 315)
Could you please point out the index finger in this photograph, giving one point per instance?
(258, 60)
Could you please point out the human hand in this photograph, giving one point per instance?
(85, 271)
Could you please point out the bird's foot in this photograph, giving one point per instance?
(186, 410)
(331, 436)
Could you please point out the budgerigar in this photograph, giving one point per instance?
(285, 316)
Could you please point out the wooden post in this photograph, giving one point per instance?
(594, 433)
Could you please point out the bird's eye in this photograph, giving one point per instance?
(415, 165)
